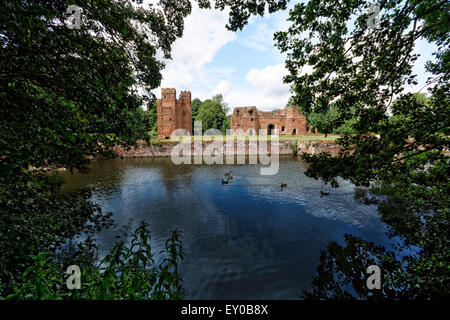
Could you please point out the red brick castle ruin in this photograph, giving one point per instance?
(173, 113)
(289, 121)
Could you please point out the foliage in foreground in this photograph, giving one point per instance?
(361, 68)
(71, 93)
(35, 217)
(127, 272)
(423, 274)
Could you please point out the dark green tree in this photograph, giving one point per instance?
(212, 113)
(150, 119)
(195, 105)
(358, 70)
(317, 119)
(241, 11)
(226, 125)
(69, 91)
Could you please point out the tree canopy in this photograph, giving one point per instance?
(69, 92)
(345, 68)
(212, 113)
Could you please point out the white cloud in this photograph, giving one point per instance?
(260, 40)
(192, 67)
(269, 80)
(267, 90)
(223, 87)
(204, 35)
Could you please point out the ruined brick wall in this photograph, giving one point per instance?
(173, 113)
(244, 121)
(248, 120)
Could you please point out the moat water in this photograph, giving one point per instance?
(249, 239)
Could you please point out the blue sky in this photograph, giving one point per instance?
(244, 66)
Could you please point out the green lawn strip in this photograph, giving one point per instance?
(252, 138)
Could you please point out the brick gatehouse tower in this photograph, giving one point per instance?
(173, 113)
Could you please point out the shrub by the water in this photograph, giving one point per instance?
(127, 272)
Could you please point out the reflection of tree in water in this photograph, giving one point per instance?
(104, 177)
(172, 174)
(390, 136)
(418, 268)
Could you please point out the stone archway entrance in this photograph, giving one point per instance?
(270, 129)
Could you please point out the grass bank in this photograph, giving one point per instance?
(319, 137)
